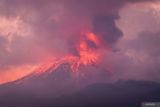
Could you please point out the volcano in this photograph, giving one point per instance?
(74, 71)
(66, 74)
(77, 81)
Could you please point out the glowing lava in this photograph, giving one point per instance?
(87, 55)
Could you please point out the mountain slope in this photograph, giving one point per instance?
(61, 87)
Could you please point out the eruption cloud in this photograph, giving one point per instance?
(81, 33)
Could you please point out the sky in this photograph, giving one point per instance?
(34, 31)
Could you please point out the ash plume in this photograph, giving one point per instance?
(45, 29)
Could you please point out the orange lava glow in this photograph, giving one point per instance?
(93, 38)
(87, 56)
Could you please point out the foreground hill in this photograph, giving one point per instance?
(120, 94)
